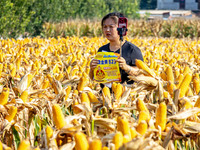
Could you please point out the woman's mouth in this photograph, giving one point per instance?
(108, 34)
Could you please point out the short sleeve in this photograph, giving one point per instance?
(136, 54)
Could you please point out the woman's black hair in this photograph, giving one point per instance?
(113, 15)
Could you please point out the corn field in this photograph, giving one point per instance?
(48, 101)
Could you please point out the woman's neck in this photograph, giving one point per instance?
(115, 45)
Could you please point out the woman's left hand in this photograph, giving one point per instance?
(122, 63)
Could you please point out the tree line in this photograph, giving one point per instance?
(26, 17)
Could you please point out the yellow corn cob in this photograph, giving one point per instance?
(45, 84)
(1, 69)
(95, 145)
(105, 148)
(163, 76)
(1, 57)
(13, 72)
(141, 65)
(92, 97)
(30, 77)
(4, 96)
(69, 69)
(37, 148)
(123, 126)
(187, 104)
(170, 88)
(196, 85)
(141, 105)
(126, 139)
(5, 67)
(81, 84)
(142, 127)
(165, 94)
(24, 145)
(161, 116)
(180, 79)
(1, 146)
(197, 103)
(133, 133)
(84, 98)
(58, 116)
(118, 91)
(59, 77)
(24, 96)
(114, 86)
(49, 133)
(189, 92)
(186, 71)
(75, 92)
(118, 140)
(76, 110)
(106, 92)
(81, 141)
(169, 73)
(67, 91)
(143, 115)
(11, 113)
(184, 85)
(18, 62)
(177, 73)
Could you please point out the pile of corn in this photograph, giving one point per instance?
(47, 100)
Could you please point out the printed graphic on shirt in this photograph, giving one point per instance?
(107, 69)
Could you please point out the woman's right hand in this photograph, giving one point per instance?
(93, 64)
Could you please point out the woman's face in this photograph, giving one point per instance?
(110, 29)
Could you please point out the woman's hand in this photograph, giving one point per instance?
(122, 63)
(93, 64)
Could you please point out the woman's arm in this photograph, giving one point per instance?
(93, 64)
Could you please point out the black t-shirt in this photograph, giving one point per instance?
(130, 52)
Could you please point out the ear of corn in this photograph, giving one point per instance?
(161, 116)
(106, 92)
(179, 80)
(45, 84)
(142, 127)
(171, 87)
(11, 113)
(118, 140)
(24, 96)
(197, 103)
(49, 134)
(143, 115)
(4, 96)
(133, 133)
(196, 85)
(81, 84)
(58, 116)
(95, 145)
(84, 98)
(169, 73)
(92, 97)
(24, 145)
(67, 91)
(1, 146)
(114, 86)
(184, 85)
(123, 126)
(141, 65)
(118, 91)
(81, 141)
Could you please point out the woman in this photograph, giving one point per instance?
(130, 52)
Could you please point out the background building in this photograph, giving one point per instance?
(178, 4)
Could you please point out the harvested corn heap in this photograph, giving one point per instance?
(48, 101)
